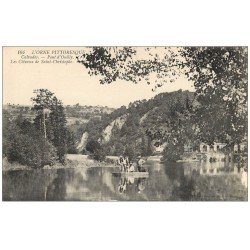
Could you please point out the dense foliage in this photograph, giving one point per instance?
(42, 142)
(96, 150)
(166, 118)
(22, 143)
(219, 75)
(220, 79)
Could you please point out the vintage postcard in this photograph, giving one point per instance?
(125, 124)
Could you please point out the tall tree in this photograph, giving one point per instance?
(220, 79)
(51, 120)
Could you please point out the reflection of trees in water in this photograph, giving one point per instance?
(97, 183)
(184, 191)
(67, 184)
(226, 187)
(198, 187)
(27, 185)
(174, 171)
(159, 186)
(170, 183)
(89, 184)
(182, 186)
(56, 191)
(38, 185)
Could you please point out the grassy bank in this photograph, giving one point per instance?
(72, 161)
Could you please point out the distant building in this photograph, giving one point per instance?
(205, 148)
(219, 146)
(213, 152)
(239, 148)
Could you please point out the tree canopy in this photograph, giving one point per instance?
(52, 123)
(219, 75)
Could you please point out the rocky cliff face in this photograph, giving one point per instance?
(118, 122)
(83, 142)
(141, 126)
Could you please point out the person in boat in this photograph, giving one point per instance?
(122, 163)
(127, 164)
(131, 168)
(140, 162)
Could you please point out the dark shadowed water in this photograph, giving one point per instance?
(166, 182)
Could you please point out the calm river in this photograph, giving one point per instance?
(166, 182)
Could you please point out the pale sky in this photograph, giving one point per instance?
(70, 83)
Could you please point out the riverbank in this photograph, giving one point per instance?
(72, 161)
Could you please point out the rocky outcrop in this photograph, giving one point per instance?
(83, 142)
(118, 122)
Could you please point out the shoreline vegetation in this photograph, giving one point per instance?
(73, 161)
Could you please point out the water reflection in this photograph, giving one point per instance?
(56, 190)
(174, 182)
(209, 181)
(137, 184)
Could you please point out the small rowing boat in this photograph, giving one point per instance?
(187, 161)
(132, 174)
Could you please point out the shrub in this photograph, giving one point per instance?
(33, 152)
(173, 152)
(96, 150)
(26, 145)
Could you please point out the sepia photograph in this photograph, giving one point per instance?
(125, 123)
